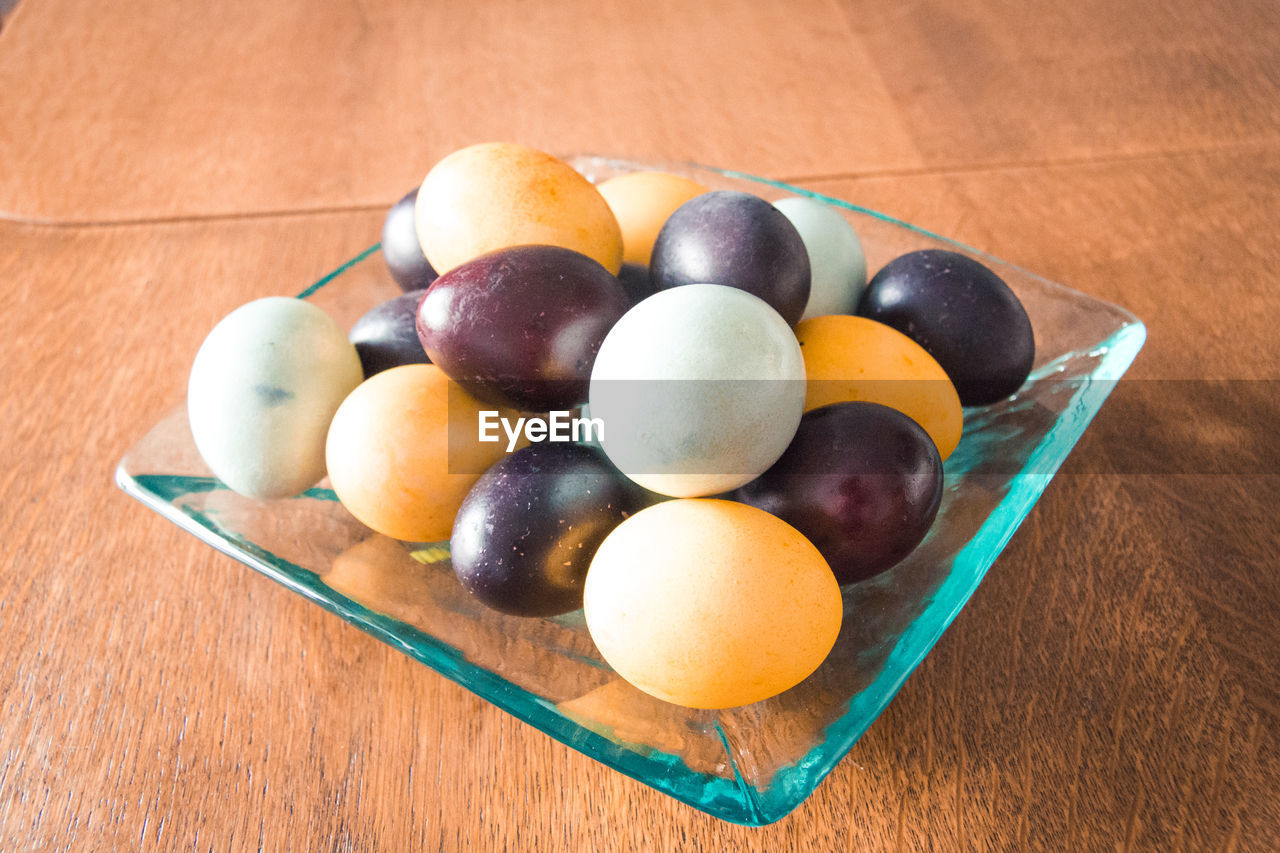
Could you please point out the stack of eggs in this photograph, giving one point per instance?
(762, 425)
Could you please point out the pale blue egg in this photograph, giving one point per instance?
(263, 388)
(700, 388)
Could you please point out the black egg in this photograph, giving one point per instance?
(637, 282)
(401, 249)
(387, 336)
(861, 481)
(963, 314)
(527, 531)
(736, 239)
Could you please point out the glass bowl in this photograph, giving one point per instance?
(749, 765)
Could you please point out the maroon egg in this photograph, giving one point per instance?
(738, 240)
(861, 481)
(525, 535)
(521, 327)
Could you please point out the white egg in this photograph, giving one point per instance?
(837, 263)
(700, 388)
(263, 388)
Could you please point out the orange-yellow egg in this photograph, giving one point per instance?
(497, 195)
(853, 358)
(403, 451)
(710, 603)
(642, 202)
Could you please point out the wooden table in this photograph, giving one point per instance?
(1113, 684)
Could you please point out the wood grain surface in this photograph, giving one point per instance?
(1112, 685)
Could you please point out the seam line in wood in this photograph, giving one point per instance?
(1065, 162)
(1049, 163)
(17, 219)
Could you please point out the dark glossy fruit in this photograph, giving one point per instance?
(387, 336)
(527, 531)
(521, 327)
(963, 314)
(401, 249)
(861, 481)
(736, 239)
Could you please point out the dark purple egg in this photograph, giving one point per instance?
(739, 240)
(521, 327)
(637, 282)
(963, 314)
(861, 481)
(387, 336)
(401, 249)
(525, 535)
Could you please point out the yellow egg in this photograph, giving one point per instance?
(496, 195)
(403, 451)
(710, 603)
(642, 202)
(854, 358)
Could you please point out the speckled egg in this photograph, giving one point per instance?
(711, 603)
(263, 388)
(497, 195)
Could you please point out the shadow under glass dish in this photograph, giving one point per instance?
(749, 765)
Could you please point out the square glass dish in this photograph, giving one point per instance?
(750, 765)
